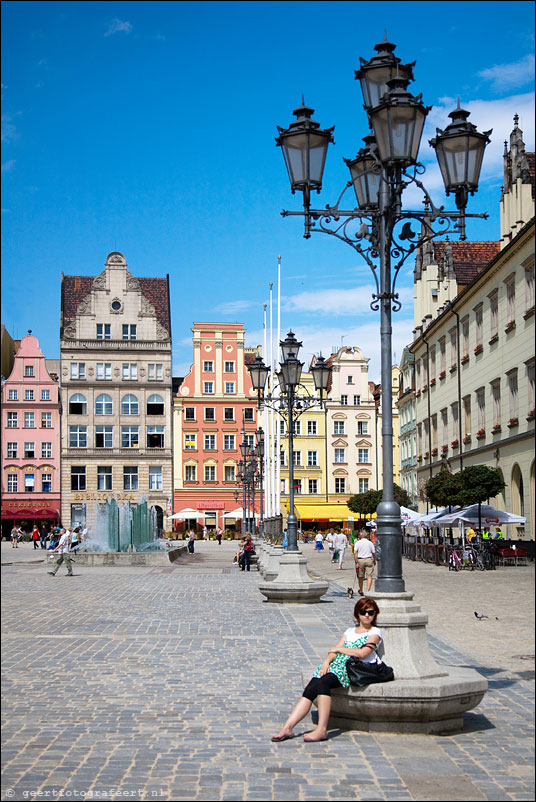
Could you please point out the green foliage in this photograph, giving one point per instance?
(366, 503)
(480, 483)
(443, 489)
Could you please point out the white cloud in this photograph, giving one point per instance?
(367, 337)
(503, 76)
(117, 26)
(9, 131)
(8, 166)
(232, 307)
(354, 301)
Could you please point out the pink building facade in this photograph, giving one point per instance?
(30, 461)
(212, 407)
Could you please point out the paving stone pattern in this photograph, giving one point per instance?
(167, 683)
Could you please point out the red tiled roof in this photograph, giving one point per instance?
(75, 288)
(469, 258)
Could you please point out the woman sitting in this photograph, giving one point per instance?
(360, 641)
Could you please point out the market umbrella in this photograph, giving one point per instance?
(187, 514)
(488, 515)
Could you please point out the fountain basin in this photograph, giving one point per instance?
(124, 558)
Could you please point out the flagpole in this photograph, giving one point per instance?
(278, 434)
(267, 441)
(271, 412)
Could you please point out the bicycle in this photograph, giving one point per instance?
(455, 563)
(474, 559)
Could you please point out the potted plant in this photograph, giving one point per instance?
(513, 422)
(467, 439)
(442, 374)
(434, 452)
(432, 382)
(479, 349)
(510, 326)
(530, 416)
(455, 443)
(465, 359)
(480, 434)
(528, 312)
(496, 428)
(494, 338)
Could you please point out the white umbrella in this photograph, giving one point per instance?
(188, 514)
(408, 516)
(238, 513)
(488, 515)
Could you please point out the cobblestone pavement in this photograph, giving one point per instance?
(167, 682)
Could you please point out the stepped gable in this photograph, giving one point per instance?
(156, 291)
(466, 259)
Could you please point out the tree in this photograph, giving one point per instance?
(480, 483)
(366, 503)
(443, 489)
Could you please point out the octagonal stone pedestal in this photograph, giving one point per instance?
(292, 583)
(425, 697)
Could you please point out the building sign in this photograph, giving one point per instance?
(103, 496)
(210, 505)
(28, 505)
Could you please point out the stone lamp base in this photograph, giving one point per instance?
(292, 583)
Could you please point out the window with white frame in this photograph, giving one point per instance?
(229, 388)
(296, 458)
(229, 367)
(155, 477)
(529, 287)
(363, 455)
(432, 362)
(339, 455)
(340, 484)
(496, 396)
(297, 428)
(210, 442)
(13, 395)
(210, 473)
(104, 436)
(155, 405)
(189, 413)
(210, 413)
(357, 400)
(249, 439)
(104, 331)
(248, 414)
(104, 405)
(363, 485)
(229, 473)
(130, 477)
(155, 436)
(78, 477)
(297, 486)
(155, 372)
(208, 388)
(481, 407)
(282, 428)
(12, 420)
(129, 331)
(129, 371)
(434, 431)
(453, 347)
(282, 458)
(130, 436)
(229, 442)
(208, 366)
(46, 420)
(465, 336)
(313, 486)
(454, 410)
(104, 477)
(78, 370)
(350, 380)
(190, 441)
(77, 404)
(46, 450)
(29, 420)
(530, 377)
(344, 400)
(493, 313)
(77, 436)
(45, 395)
(29, 395)
(12, 450)
(130, 405)
(511, 298)
(312, 459)
(362, 427)
(228, 414)
(479, 334)
(312, 427)
(29, 482)
(104, 371)
(467, 415)
(442, 355)
(29, 450)
(513, 399)
(29, 371)
(190, 473)
(444, 426)
(46, 483)
(12, 483)
(338, 427)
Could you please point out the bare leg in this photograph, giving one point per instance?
(369, 583)
(324, 709)
(299, 712)
(360, 583)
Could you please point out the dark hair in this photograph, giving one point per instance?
(363, 604)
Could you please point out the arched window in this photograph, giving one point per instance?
(77, 405)
(129, 405)
(517, 494)
(155, 405)
(104, 405)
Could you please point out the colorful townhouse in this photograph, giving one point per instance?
(30, 441)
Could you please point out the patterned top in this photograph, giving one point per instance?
(352, 640)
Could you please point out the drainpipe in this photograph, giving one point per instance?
(459, 372)
(428, 407)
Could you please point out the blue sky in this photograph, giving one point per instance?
(148, 128)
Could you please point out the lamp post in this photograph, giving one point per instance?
(379, 229)
(432, 698)
(259, 450)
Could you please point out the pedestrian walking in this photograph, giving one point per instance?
(191, 540)
(63, 549)
(330, 538)
(76, 539)
(219, 535)
(205, 533)
(14, 538)
(249, 550)
(35, 536)
(360, 641)
(43, 536)
(365, 560)
(319, 542)
(340, 543)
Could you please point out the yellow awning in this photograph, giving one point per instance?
(327, 511)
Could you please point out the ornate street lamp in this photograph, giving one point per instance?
(365, 170)
(259, 451)
(398, 121)
(375, 74)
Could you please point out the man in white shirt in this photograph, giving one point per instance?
(63, 548)
(365, 560)
(340, 542)
(330, 537)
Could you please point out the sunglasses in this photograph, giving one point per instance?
(367, 612)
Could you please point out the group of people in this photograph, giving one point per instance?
(486, 534)
(364, 553)
(245, 553)
(41, 536)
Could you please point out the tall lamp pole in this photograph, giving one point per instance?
(259, 450)
(380, 229)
